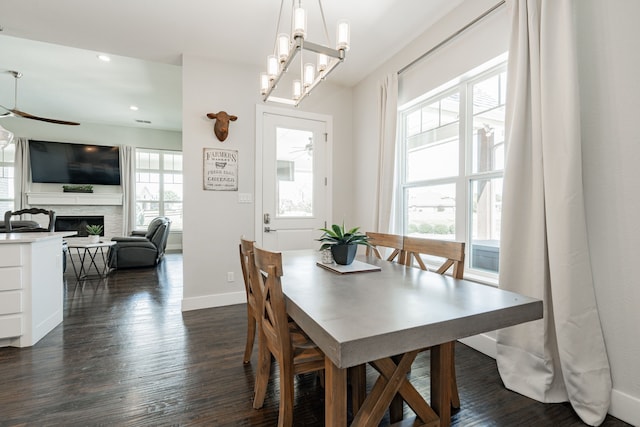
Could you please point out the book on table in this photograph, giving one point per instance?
(354, 267)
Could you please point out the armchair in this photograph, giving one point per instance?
(141, 249)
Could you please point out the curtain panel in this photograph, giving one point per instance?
(387, 119)
(22, 173)
(127, 162)
(544, 249)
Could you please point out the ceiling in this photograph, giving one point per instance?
(54, 44)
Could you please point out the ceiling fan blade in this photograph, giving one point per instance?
(15, 112)
(8, 112)
(42, 119)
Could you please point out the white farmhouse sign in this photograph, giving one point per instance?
(220, 169)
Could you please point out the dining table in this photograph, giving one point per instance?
(383, 316)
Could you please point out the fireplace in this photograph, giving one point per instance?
(79, 223)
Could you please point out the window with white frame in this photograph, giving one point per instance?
(7, 180)
(452, 149)
(158, 187)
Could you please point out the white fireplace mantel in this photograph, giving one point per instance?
(39, 199)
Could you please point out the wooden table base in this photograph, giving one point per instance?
(391, 382)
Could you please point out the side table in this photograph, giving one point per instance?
(93, 251)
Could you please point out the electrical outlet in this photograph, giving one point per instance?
(230, 277)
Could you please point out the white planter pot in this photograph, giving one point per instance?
(94, 238)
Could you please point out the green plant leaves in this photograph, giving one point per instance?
(94, 229)
(336, 235)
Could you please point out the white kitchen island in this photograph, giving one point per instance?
(31, 286)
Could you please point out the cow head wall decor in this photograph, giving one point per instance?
(221, 126)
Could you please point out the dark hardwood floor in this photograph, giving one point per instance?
(126, 355)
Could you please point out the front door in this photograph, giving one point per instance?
(293, 181)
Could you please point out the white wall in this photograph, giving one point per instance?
(609, 59)
(609, 63)
(214, 220)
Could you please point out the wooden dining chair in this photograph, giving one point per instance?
(31, 211)
(246, 247)
(453, 254)
(384, 240)
(292, 349)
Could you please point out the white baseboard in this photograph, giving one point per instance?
(483, 343)
(623, 406)
(217, 300)
(44, 327)
(175, 247)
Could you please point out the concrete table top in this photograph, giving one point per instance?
(356, 318)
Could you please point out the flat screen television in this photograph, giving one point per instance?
(66, 163)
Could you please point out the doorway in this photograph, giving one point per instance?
(293, 191)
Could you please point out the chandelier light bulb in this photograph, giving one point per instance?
(297, 89)
(264, 83)
(323, 60)
(309, 74)
(343, 35)
(299, 23)
(283, 47)
(272, 66)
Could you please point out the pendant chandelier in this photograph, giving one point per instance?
(314, 61)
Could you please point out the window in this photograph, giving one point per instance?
(7, 182)
(158, 187)
(452, 151)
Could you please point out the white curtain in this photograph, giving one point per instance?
(387, 118)
(22, 173)
(127, 162)
(544, 250)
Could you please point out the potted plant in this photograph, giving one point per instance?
(94, 232)
(343, 244)
(77, 188)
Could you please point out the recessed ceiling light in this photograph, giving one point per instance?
(133, 107)
(104, 58)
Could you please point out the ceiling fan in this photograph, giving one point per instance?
(308, 148)
(14, 112)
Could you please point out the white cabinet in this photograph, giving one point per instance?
(10, 326)
(10, 291)
(10, 277)
(31, 287)
(11, 302)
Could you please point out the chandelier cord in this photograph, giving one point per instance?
(324, 23)
(293, 4)
(275, 39)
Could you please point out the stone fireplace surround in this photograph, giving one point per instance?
(108, 205)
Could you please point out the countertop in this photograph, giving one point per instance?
(33, 237)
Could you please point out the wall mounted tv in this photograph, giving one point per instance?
(66, 163)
